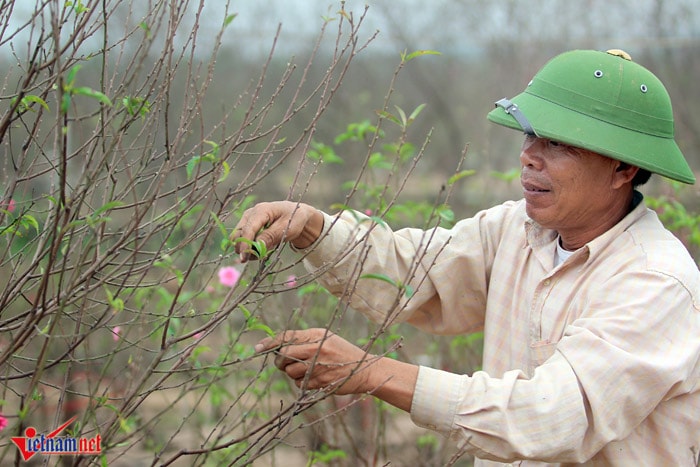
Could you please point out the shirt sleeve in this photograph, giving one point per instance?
(507, 418)
(431, 270)
(637, 346)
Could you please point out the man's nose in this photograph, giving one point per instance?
(531, 153)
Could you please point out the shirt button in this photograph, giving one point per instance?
(547, 282)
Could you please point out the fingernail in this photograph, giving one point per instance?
(259, 348)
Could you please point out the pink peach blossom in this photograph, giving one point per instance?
(291, 281)
(229, 276)
(3, 422)
(116, 331)
(9, 205)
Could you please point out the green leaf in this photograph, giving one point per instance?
(446, 213)
(134, 105)
(378, 161)
(199, 350)
(26, 103)
(358, 132)
(243, 205)
(407, 289)
(340, 207)
(427, 440)
(214, 149)
(408, 57)
(108, 207)
(246, 311)
(402, 115)
(127, 425)
(459, 176)
(333, 158)
(27, 220)
(89, 92)
(45, 330)
(415, 113)
(219, 224)
(389, 116)
(311, 288)
(323, 152)
(379, 221)
(380, 277)
(212, 156)
(226, 171)
(407, 151)
(78, 6)
(506, 176)
(146, 28)
(191, 165)
(255, 325)
(65, 102)
(117, 304)
(70, 78)
(229, 19)
(257, 248)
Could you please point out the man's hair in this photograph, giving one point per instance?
(640, 178)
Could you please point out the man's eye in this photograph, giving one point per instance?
(563, 148)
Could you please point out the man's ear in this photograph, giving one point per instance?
(624, 173)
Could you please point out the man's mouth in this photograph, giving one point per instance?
(534, 188)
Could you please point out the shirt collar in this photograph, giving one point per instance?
(540, 239)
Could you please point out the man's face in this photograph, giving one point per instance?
(567, 189)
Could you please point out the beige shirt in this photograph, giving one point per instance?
(594, 361)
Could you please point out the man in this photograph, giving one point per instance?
(589, 307)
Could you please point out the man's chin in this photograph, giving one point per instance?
(537, 214)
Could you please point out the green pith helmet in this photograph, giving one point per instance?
(604, 102)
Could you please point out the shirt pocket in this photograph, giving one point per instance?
(539, 353)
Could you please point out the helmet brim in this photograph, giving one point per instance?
(549, 120)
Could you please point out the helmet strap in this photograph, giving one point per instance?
(512, 109)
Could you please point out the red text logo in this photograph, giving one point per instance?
(52, 444)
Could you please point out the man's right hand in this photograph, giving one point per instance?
(273, 223)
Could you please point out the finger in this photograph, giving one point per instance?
(275, 343)
(281, 346)
(251, 222)
(289, 354)
(305, 374)
(267, 344)
(273, 223)
(280, 224)
(292, 346)
(282, 361)
(247, 231)
(297, 370)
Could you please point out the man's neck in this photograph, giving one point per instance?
(573, 240)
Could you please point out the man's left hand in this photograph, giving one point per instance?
(319, 359)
